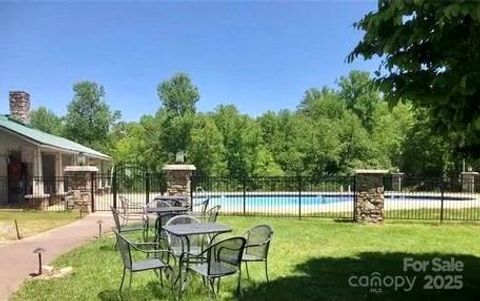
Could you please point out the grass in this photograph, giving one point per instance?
(311, 259)
(31, 222)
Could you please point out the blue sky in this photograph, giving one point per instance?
(258, 56)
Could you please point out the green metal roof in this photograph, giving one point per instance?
(47, 140)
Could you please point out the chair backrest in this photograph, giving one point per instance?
(258, 240)
(125, 203)
(116, 218)
(123, 246)
(203, 205)
(228, 251)
(175, 241)
(212, 214)
(163, 204)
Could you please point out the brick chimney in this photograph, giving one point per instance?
(20, 106)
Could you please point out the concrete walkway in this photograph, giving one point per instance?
(17, 260)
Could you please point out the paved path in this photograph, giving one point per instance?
(17, 260)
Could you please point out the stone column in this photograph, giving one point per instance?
(397, 178)
(468, 181)
(369, 193)
(178, 178)
(79, 185)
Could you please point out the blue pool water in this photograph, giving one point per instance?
(308, 200)
(279, 200)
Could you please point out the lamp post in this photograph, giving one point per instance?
(81, 159)
(39, 251)
(180, 157)
(99, 222)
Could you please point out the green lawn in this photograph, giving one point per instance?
(32, 222)
(311, 259)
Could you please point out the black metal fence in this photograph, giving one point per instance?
(279, 196)
(432, 198)
(411, 198)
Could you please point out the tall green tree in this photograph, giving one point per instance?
(360, 95)
(178, 96)
(89, 118)
(430, 53)
(45, 120)
(206, 150)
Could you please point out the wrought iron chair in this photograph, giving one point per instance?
(121, 226)
(258, 244)
(221, 259)
(212, 214)
(130, 212)
(155, 263)
(199, 210)
(178, 245)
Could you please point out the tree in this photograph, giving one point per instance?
(89, 119)
(206, 150)
(430, 54)
(137, 142)
(424, 153)
(360, 95)
(45, 120)
(178, 96)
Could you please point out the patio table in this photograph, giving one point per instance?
(182, 199)
(161, 210)
(186, 230)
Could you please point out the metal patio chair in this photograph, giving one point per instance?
(121, 226)
(178, 245)
(200, 209)
(258, 244)
(221, 259)
(212, 214)
(130, 212)
(155, 263)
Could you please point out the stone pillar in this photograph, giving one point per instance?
(397, 178)
(20, 106)
(79, 185)
(369, 193)
(468, 181)
(178, 178)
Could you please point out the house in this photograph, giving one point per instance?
(32, 161)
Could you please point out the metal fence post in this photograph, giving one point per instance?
(147, 188)
(442, 197)
(114, 187)
(192, 187)
(92, 191)
(299, 197)
(244, 195)
(354, 217)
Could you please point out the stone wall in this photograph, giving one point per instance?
(79, 185)
(20, 106)
(178, 178)
(369, 203)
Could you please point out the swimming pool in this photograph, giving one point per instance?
(319, 200)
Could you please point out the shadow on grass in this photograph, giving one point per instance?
(153, 288)
(328, 279)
